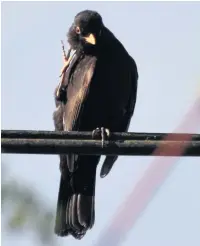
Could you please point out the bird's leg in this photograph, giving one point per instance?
(67, 59)
(60, 94)
(103, 133)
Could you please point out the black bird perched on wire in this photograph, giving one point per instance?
(97, 93)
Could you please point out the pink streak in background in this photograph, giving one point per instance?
(145, 189)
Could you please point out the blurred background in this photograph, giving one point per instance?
(163, 38)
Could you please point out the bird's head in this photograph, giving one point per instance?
(86, 30)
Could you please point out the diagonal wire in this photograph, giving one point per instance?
(145, 189)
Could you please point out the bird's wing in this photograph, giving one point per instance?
(132, 96)
(79, 77)
(125, 123)
(79, 83)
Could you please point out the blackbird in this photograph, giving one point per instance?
(97, 93)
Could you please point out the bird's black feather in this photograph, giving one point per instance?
(101, 89)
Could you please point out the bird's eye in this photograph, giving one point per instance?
(78, 31)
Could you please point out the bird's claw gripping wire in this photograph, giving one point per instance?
(103, 133)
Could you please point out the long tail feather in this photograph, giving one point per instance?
(76, 199)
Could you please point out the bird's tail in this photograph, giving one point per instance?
(61, 228)
(76, 199)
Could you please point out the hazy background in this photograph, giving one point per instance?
(164, 39)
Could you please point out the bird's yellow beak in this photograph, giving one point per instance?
(90, 39)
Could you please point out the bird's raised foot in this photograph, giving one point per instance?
(64, 68)
(103, 133)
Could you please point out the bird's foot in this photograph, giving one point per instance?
(66, 58)
(103, 133)
(64, 68)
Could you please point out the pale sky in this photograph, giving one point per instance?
(164, 40)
